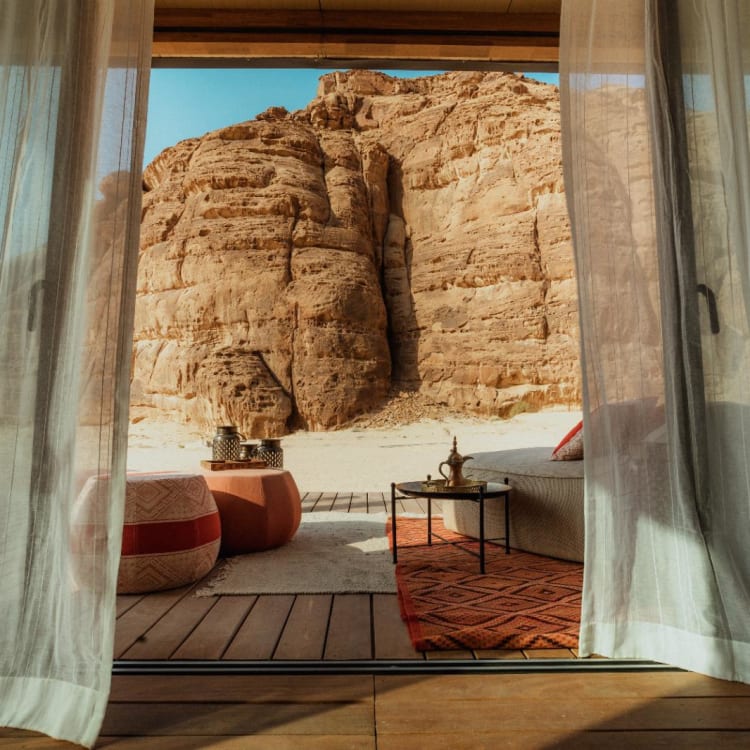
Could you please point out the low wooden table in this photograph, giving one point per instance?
(490, 492)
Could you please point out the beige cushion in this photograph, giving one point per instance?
(546, 506)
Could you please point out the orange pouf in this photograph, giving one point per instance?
(171, 535)
(259, 508)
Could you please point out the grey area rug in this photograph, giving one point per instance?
(331, 553)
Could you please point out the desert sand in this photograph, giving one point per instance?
(358, 459)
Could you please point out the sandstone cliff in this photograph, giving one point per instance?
(412, 232)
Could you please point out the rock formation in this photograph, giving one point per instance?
(399, 232)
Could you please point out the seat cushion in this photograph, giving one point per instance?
(546, 504)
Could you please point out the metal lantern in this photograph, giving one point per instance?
(226, 443)
(271, 452)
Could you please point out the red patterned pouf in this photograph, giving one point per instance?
(172, 532)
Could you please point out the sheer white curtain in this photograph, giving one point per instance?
(657, 169)
(73, 84)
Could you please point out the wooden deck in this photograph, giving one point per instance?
(175, 625)
(329, 709)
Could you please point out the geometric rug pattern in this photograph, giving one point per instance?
(522, 601)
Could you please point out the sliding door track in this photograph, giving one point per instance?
(381, 667)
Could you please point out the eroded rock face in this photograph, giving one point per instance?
(414, 231)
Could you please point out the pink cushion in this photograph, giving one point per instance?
(570, 448)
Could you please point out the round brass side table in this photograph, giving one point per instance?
(479, 495)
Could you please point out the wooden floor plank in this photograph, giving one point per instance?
(565, 713)
(410, 505)
(376, 503)
(309, 501)
(543, 687)
(567, 740)
(216, 630)
(325, 502)
(142, 616)
(342, 502)
(22, 740)
(391, 637)
(211, 719)
(548, 653)
(259, 633)
(166, 635)
(358, 502)
(304, 634)
(490, 653)
(242, 742)
(126, 602)
(349, 635)
(447, 655)
(274, 688)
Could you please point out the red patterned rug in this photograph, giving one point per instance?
(523, 600)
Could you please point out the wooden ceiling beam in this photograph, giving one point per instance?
(202, 37)
(241, 20)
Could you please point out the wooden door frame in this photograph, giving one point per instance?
(355, 39)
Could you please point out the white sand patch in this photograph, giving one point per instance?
(358, 459)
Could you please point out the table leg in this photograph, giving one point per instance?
(393, 522)
(507, 523)
(481, 530)
(429, 521)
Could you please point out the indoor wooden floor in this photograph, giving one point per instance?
(440, 712)
(178, 625)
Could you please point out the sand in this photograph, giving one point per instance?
(359, 459)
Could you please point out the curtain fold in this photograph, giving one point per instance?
(74, 84)
(655, 138)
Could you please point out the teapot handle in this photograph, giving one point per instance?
(440, 470)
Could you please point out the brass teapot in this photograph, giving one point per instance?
(455, 462)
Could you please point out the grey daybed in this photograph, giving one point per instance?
(546, 504)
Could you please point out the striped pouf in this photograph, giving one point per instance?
(171, 535)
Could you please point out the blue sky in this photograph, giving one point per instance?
(185, 103)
